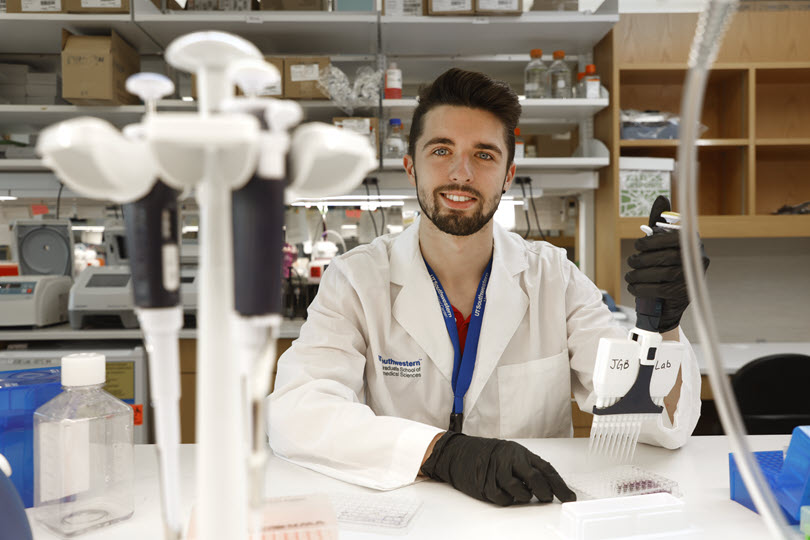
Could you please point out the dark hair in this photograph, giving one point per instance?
(469, 89)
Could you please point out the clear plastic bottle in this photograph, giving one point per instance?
(592, 84)
(535, 76)
(560, 76)
(520, 145)
(579, 88)
(395, 141)
(83, 453)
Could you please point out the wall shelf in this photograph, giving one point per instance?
(573, 32)
(673, 143)
(41, 33)
(788, 226)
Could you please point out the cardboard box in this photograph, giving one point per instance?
(355, 5)
(13, 73)
(301, 75)
(498, 7)
(238, 5)
(294, 5)
(362, 126)
(171, 5)
(41, 78)
(450, 7)
(95, 69)
(276, 91)
(96, 6)
(35, 6)
(407, 8)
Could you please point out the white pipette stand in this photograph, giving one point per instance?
(215, 152)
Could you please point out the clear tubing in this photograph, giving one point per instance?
(709, 34)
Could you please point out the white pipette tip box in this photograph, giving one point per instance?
(659, 515)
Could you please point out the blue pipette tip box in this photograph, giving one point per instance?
(788, 475)
(21, 393)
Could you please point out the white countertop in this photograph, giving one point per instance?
(700, 468)
(736, 355)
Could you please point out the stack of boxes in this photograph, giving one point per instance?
(21, 86)
(67, 6)
(452, 7)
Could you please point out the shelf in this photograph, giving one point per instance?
(289, 330)
(673, 143)
(533, 164)
(789, 142)
(41, 33)
(561, 112)
(733, 227)
(22, 165)
(36, 117)
(288, 32)
(574, 32)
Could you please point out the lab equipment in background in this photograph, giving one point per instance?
(592, 83)
(520, 145)
(393, 82)
(633, 376)
(659, 515)
(12, 512)
(323, 251)
(619, 481)
(376, 513)
(34, 300)
(127, 374)
(535, 76)
(115, 247)
(394, 142)
(23, 391)
(43, 247)
(787, 474)
(38, 296)
(102, 297)
(559, 77)
(83, 452)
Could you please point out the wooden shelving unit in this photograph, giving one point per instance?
(754, 155)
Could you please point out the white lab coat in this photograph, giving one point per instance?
(366, 387)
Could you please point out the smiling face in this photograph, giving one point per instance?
(460, 168)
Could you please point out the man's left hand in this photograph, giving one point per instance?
(658, 270)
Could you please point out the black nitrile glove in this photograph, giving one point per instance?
(494, 470)
(658, 271)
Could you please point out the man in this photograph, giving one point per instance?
(423, 350)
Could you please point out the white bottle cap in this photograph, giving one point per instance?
(392, 65)
(83, 369)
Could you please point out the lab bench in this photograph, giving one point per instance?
(700, 468)
(58, 335)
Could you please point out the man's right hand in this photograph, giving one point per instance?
(494, 470)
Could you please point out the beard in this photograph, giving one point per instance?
(456, 222)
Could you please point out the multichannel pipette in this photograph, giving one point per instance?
(633, 376)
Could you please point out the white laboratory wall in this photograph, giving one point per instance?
(759, 288)
(660, 6)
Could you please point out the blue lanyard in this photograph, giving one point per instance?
(462, 364)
